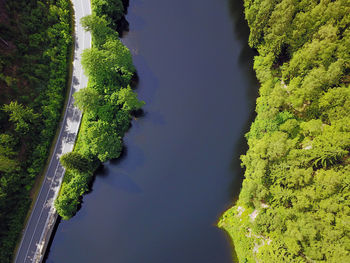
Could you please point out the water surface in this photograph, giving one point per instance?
(180, 171)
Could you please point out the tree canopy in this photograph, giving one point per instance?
(35, 49)
(297, 170)
(108, 103)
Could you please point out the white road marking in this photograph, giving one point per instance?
(64, 124)
(42, 209)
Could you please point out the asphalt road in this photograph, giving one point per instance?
(38, 229)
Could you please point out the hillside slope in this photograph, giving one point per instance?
(294, 204)
(35, 45)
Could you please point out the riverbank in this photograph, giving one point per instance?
(107, 103)
(293, 203)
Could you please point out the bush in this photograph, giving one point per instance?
(107, 104)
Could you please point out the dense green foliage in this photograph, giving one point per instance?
(294, 205)
(107, 104)
(111, 10)
(35, 46)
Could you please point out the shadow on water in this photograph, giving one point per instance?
(126, 6)
(246, 57)
(102, 171)
(123, 24)
(241, 28)
(246, 60)
(135, 80)
(123, 155)
(140, 113)
(47, 251)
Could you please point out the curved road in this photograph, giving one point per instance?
(41, 222)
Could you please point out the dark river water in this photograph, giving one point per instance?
(160, 202)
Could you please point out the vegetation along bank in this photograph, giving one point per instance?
(108, 103)
(294, 204)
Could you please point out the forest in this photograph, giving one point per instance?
(35, 47)
(294, 205)
(107, 103)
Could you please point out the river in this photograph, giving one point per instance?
(180, 170)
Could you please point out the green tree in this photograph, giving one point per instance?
(75, 161)
(113, 10)
(87, 99)
(23, 117)
(128, 99)
(7, 164)
(98, 26)
(103, 140)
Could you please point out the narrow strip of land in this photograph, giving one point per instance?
(38, 229)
